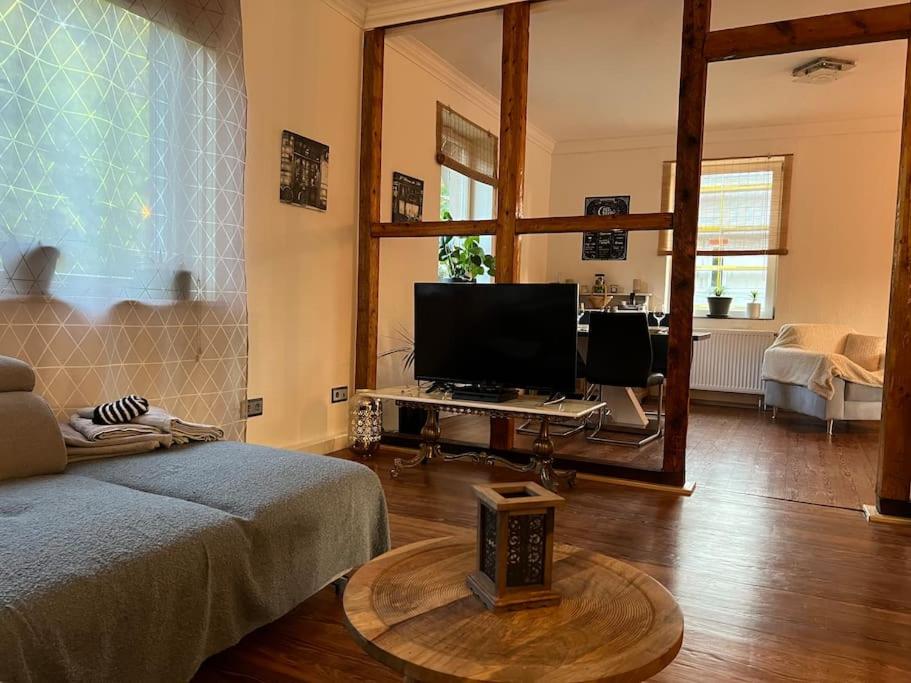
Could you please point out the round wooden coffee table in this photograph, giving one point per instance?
(412, 610)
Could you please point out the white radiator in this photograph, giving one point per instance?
(730, 360)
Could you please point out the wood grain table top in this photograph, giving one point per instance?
(412, 610)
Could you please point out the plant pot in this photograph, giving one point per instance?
(754, 310)
(719, 306)
(460, 280)
(411, 420)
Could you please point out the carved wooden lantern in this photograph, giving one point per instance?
(515, 546)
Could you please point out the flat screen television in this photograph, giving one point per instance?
(512, 336)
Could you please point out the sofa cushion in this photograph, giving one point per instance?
(863, 393)
(31, 440)
(15, 375)
(866, 350)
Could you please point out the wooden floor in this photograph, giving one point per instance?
(770, 589)
(743, 450)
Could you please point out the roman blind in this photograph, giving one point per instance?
(465, 147)
(743, 206)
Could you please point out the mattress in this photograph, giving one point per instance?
(138, 568)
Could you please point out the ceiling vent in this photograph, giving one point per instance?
(822, 70)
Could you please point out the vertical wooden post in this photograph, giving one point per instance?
(511, 172)
(893, 484)
(368, 247)
(690, 129)
(513, 110)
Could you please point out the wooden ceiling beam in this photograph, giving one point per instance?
(892, 22)
(435, 229)
(633, 221)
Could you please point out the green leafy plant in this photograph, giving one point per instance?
(464, 259)
(755, 295)
(405, 346)
(719, 291)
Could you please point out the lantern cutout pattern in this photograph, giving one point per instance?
(515, 546)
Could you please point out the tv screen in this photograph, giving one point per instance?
(515, 336)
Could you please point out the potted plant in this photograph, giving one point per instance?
(411, 420)
(719, 305)
(464, 260)
(754, 307)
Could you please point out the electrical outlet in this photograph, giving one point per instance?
(339, 394)
(254, 407)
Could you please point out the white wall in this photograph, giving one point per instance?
(415, 80)
(841, 222)
(302, 62)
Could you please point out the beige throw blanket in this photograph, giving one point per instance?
(78, 447)
(814, 355)
(160, 420)
(94, 432)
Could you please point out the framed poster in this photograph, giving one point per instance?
(612, 245)
(407, 198)
(304, 179)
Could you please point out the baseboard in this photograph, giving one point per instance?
(686, 490)
(322, 446)
(874, 516)
(725, 398)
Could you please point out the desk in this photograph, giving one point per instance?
(525, 407)
(626, 413)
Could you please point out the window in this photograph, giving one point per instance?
(123, 136)
(742, 229)
(462, 198)
(468, 156)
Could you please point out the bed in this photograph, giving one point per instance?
(139, 567)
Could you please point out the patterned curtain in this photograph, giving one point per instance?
(122, 144)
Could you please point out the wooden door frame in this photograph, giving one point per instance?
(700, 47)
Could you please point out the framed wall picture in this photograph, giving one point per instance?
(304, 177)
(407, 198)
(612, 245)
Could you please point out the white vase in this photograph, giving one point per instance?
(754, 309)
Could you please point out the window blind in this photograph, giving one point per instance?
(465, 147)
(743, 206)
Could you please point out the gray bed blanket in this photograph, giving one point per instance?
(138, 568)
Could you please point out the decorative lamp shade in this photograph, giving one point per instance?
(515, 546)
(366, 427)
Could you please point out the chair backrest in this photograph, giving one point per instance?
(619, 350)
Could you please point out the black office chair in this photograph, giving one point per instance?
(620, 355)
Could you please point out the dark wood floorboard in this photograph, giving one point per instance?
(771, 590)
(743, 450)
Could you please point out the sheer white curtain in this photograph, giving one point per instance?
(122, 133)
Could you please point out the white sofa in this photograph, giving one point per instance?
(850, 364)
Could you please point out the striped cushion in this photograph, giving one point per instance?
(120, 411)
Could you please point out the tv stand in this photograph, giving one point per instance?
(486, 394)
(527, 407)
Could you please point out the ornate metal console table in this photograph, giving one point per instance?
(525, 407)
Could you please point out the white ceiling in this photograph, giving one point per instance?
(610, 68)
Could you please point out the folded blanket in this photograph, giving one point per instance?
(93, 432)
(814, 370)
(73, 438)
(78, 447)
(161, 420)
